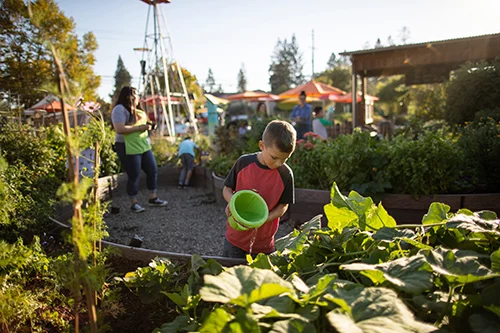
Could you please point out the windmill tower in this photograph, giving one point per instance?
(158, 62)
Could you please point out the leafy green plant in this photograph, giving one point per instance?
(427, 165)
(472, 88)
(363, 273)
(480, 144)
(36, 168)
(165, 152)
(354, 161)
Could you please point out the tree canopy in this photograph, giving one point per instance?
(338, 73)
(286, 66)
(25, 60)
(122, 79)
(242, 80)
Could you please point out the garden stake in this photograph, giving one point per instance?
(77, 203)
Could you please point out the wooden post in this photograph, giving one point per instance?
(354, 93)
(362, 105)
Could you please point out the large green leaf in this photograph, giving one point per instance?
(291, 243)
(374, 310)
(216, 322)
(244, 322)
(433, 302)
(181, 324)
(379, 218)
(294, 241)
(243, 285)
(339, 218)
(355, 210)
(474, 224)
(437, 213)
(458, 266)
(292, 326)
(484, 323)
(411, 275)
(495, 261)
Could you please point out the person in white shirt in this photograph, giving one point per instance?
(319, 123)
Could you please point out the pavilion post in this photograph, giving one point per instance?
(362, 104)
(354, 94)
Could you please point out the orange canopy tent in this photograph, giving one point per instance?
(312, 89)
(347, 98)
(252, 96)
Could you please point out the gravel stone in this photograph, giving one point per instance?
(192, 222)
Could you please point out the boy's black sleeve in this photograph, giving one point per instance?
(288, 195)
(231, 177)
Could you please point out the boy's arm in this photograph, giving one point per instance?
(277, 211)
(227, 193)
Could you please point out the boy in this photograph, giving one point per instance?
(186, 154)
(267, 173)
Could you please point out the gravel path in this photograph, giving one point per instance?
(191, 223)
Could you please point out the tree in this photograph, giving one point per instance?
(390, 41)
(210, 82)
(378, 44)
(242, 80)
(122, 79)
(404, 35)
(338, 73)
(473, 87)
(286, 66)
(26, 62)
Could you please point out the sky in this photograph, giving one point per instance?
(224, 34)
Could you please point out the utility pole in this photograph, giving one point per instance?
(312, 54)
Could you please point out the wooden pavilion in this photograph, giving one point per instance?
(429, 62)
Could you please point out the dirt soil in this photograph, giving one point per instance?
(192, 222)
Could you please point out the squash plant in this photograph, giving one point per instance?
(362, 273)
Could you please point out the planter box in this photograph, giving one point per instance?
(218, 185)
(403, 207)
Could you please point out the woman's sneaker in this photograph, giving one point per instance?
(157, 202)
(137, 208)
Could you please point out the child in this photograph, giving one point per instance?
(267, 173)
(319, 123)
(186, 153)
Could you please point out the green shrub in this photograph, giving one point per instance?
(430, 164)
(165, 152)
(221, 164)
(480, 142)
(36, 169)
(474, 87)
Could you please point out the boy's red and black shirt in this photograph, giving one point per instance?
(276, 186)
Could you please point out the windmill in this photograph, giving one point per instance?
(158, 61)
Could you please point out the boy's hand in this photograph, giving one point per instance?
(228, 211)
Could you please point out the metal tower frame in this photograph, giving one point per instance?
(150, 75)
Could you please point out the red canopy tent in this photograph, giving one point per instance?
(347, 98)
(252, 96)
(51, 104)
(156, 99)
(312, 89)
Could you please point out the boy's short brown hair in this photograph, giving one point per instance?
(280, 134)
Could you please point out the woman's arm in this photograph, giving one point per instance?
(121, 128)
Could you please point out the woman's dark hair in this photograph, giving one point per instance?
(303, 93)
(259, 105)
(125, 98)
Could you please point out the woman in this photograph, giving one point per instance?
(133, 147)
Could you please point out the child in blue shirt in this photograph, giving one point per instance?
(186, 154)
